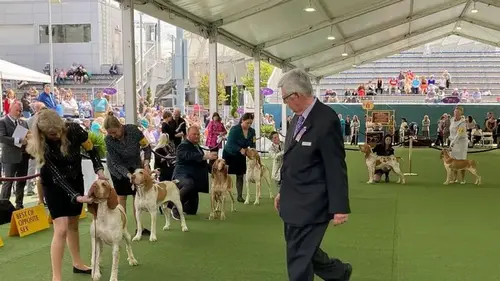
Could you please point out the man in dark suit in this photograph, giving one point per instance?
(14, 157)
(314, 189)
(191, 169)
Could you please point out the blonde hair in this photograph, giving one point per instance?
(461, 109)
(46, 121)
(111, 122)
(163, 141)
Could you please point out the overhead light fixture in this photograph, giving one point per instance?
(459, 27)
(354, 65)
(310, 8)
(474, 9)
(344, 54)
(331, 37)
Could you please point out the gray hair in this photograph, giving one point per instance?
(296, 81)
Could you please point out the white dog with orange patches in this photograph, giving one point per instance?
(452, 166)
(256, 172)
(109, 226)
(221, 187)
(150, 196)
(374, 162)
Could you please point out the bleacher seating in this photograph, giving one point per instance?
(468, 69)
(97, 81)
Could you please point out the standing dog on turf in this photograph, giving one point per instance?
(451, 165)
(256, 171)
(221, 187)
(109, 225)
(150, 196)
(374, 162)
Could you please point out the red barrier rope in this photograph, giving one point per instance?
(25, 178)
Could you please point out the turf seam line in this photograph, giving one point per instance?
(394, 272)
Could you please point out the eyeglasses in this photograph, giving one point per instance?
(285, 98)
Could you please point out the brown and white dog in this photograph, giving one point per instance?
(150, 197)
(221, 187)
(454, 165)
(109, 226)
(374, 162)
(256, 171)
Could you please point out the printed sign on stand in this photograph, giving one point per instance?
(1, 242)
(28, 221)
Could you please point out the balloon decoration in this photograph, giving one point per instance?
(240, 110)
(109, 91)
(266, 91)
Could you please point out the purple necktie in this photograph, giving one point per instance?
(300, 122)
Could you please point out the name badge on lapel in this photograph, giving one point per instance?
(306, 143)
(299, 135)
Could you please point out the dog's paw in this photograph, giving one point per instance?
(211, 216)
(136, 238)
(257, 202)
(96, 276)
(233, 210)
(166, 227)
(246, 202)
(271, 196)
(446, 183)
(152, 238)
(463, 182)
(222, 216)
(369, 182)
(132, 262)
(184, 228)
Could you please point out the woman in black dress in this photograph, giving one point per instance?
(56, 147)
(164, 158)
(383, 149)
(240, 137)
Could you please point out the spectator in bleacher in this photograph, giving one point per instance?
(46, 69)
(9, 100)
(59, 76)
(476, 96)
(113, 70)
(355, 124)
(393, 85)
(347, 129)
(47, 98)
(455, 93)
(401, 76)
(380, 86)
(80, 75)
(431, 80)
(26, 102)
(423, 85)
(371, 89)
(84, 107)
(69, 105)
(431, 94)
(415, 85)
(447, 78)
(490, 123)
(426, 124)
(361, 90)
(442, 84)
(407, 85)
(100, 105)
(464, 96)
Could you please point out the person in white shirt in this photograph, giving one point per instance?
(276, 151)
(70, 107)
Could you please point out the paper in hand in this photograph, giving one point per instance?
(19, 133)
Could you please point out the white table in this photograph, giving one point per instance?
(89, 175)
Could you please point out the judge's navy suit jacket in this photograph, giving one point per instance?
(314, 174)
(190, 164)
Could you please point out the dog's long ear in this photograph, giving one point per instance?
(257, 157)
(148, 181)
(92, 208)
(214, 168)
(92, 190)
(112, 198)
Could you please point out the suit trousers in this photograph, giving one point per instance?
(15, 170)
(304, 256)
(189, 195)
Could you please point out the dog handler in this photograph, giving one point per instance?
(56, 145)
(458, 137)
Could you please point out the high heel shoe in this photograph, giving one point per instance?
(82, 271)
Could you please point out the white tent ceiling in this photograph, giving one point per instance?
(365, 30)
(10, 71)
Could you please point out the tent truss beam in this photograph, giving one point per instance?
(326, 23)
(377, 29)
(474, 38)
(482, 24)
(386, 54)
(385, 44)
(271, 4)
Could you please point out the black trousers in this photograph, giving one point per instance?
(304, 256)
(189, 195)
(15, 170)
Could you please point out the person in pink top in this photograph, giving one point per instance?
(215, 133)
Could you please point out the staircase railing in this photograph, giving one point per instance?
(148, 62)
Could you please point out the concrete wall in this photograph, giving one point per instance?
(20, 21)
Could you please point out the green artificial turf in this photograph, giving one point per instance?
(421, 231)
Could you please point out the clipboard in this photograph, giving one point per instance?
(20, 133)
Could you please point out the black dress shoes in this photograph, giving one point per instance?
(348, 271)
(82, 271)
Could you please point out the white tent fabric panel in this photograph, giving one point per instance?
(288, 36)
(11, 71)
